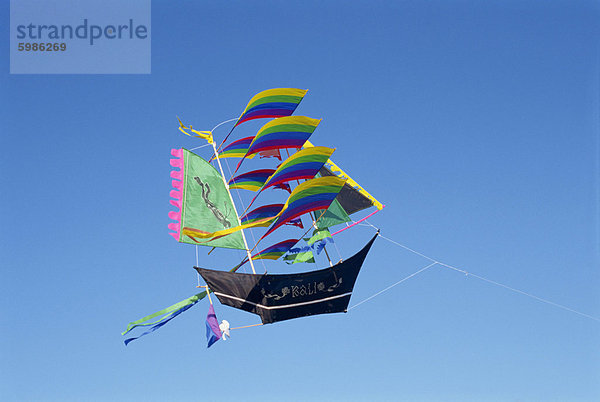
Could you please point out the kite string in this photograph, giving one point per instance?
(521, 292)
(481, 278)
(337, 250)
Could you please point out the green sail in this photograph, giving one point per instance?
(334, 215)
(206, 204)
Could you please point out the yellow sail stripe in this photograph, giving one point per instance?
(196, 233)
(340, 173)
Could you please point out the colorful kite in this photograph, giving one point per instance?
(205, 214)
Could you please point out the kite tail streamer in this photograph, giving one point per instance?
(160, 323)
(206, 135)
(168, 314)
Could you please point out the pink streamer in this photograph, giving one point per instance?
(357, 222)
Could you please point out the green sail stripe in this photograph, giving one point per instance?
(258, 184)
(275, 98)
(313, 191)
(284, 128)
(302, 159)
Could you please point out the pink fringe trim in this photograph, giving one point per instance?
(177, 194)
(177, 174)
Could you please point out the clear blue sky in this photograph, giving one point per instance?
(476, 123)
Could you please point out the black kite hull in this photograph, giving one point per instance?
(286, 296)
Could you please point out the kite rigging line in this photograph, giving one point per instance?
(197, 264)
(223, 122)
(247, 326)
(435, 262)
(227, 136)
(359, 221)
(391, 286)
(201, 146)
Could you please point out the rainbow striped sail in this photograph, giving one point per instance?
(277, 102)
(285, 132)
(312, 195)
(237, 149)
(264, 212)
(304, 164)
(252, 181)
(276, 250)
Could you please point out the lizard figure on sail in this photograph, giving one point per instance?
(213, 208)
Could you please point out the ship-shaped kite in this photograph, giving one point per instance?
(312, 188)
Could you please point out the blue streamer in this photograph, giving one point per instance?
(161, 322)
